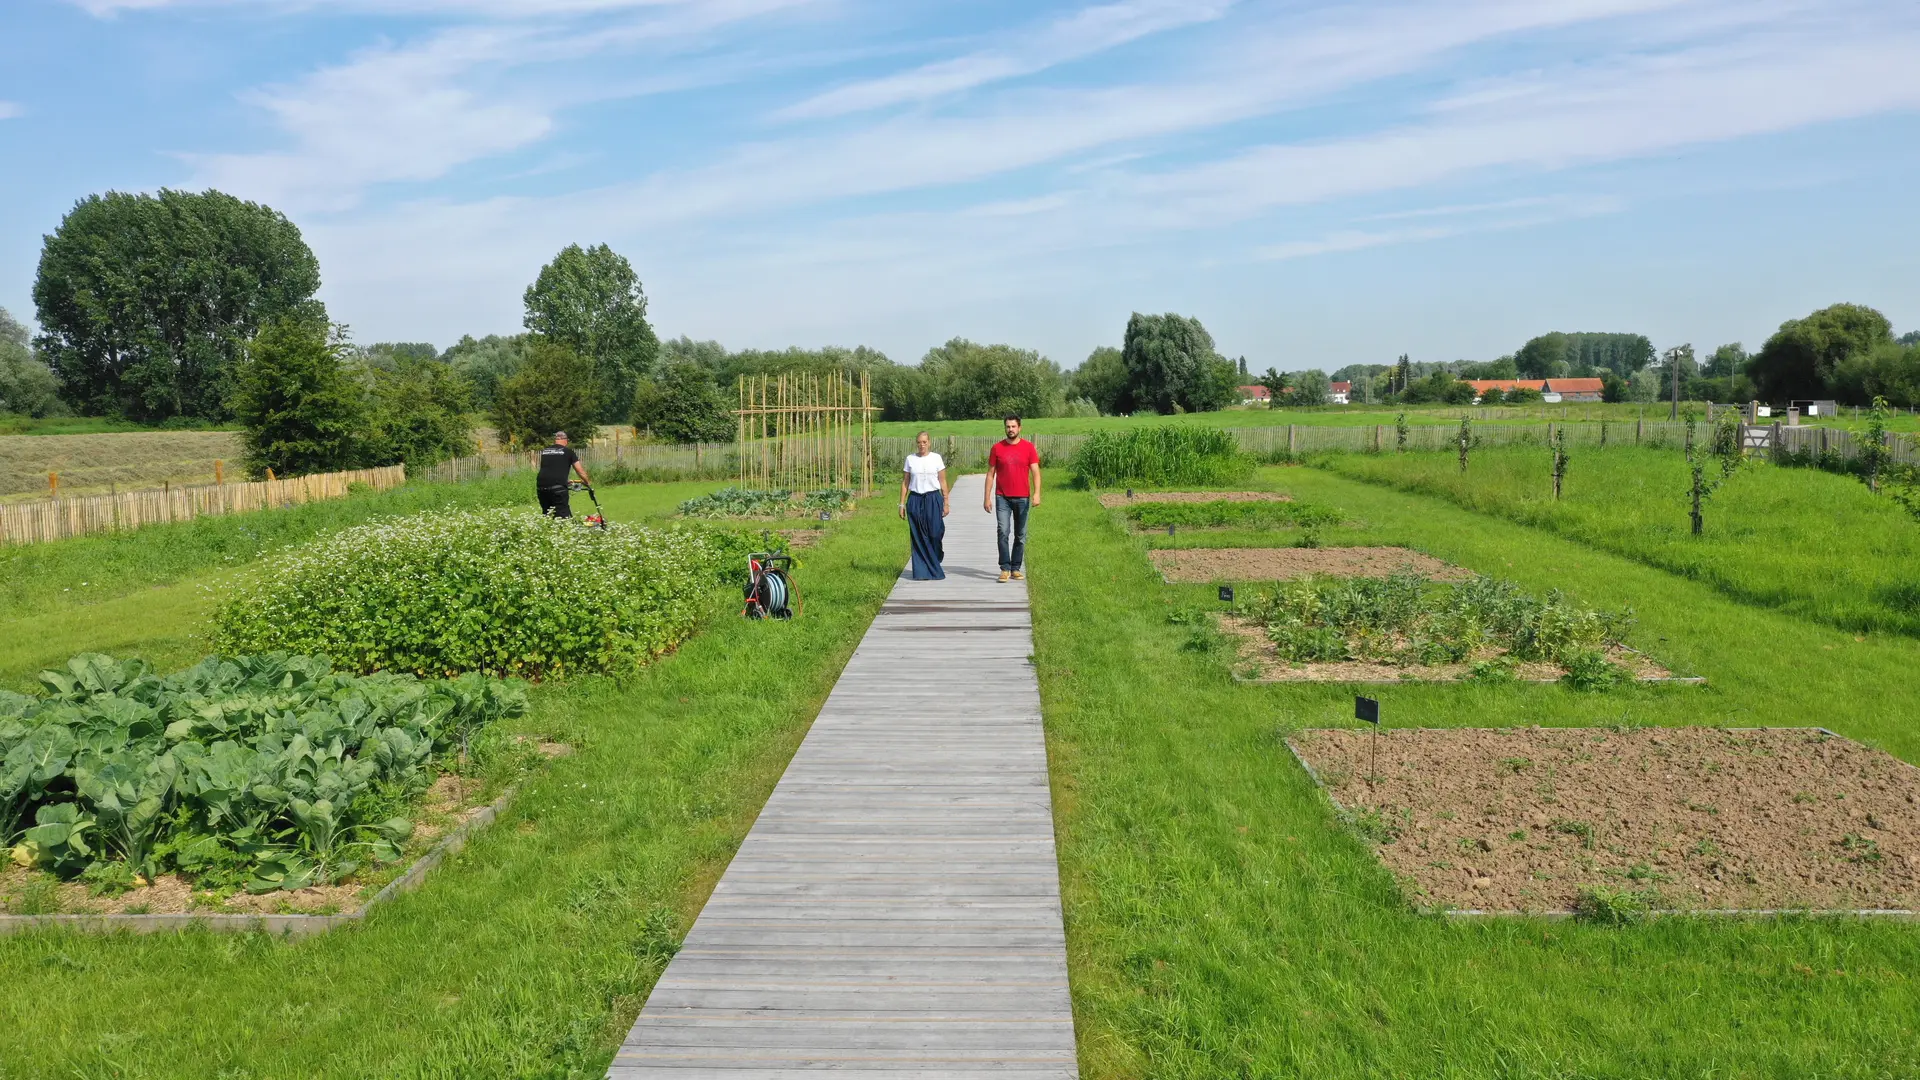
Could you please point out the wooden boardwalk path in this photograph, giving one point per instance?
(895, 911)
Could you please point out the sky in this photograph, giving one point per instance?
(1319, 183)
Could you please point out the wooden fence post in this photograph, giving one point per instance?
(1639, 429)
(1290, 441)
(53, 485)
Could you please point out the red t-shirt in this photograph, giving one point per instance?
(1011, 465)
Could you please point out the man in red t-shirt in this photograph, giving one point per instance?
(1013, 486)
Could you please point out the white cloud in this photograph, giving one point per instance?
(1607, 112)
(1461, 221)
(415, 112)
(11, 109)
(484, 8)
(1085, 32)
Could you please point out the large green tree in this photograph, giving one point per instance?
(1102, 379)
(417, 413)
(681, 404)
(483, 362)
(984, 381)
(146, 302)
(1172, 365)
(554, 390)
(590, 300)
(27, 386)
(1801, 359)
(299, 407)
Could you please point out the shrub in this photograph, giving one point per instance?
(499, 591)
(299, 409)
(1162, 456)
(266, 771)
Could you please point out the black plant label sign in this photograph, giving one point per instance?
(1366, 708)
(1226, 594)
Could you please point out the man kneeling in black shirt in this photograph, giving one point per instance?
(552, 483)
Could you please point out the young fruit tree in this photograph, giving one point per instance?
(1400, 434)
(1725, 446)
(1875, 454)
(1465, 439)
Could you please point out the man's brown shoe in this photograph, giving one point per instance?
(1004, 575)
(1019, 575)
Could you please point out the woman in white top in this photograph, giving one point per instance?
(924, 505)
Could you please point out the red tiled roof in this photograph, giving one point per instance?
(1481, 386)
(1341, 387)
(1255, 392)
(1576, 386)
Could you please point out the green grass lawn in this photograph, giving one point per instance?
(1813, 543)
(56, 576)
(529, 954)
(1220, 923)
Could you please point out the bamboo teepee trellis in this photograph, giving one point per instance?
(803, 431)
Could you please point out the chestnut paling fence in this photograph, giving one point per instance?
(61, 519)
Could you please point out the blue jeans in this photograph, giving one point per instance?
(1011, 515)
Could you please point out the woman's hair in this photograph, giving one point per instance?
(923, 435)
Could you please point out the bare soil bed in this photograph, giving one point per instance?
(1283, 564)
(1523, 819)
(1258, 661)
(1111, 500)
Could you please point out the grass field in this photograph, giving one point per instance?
(1220, 922)
(528, 954)
(1813, 543)
(97, 462)
(86, 425)
(1319, 416)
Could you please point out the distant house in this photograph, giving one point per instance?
(1574, 389)
(1340, 393)
(1481, 386)
(1551, 390)
(1255, 395)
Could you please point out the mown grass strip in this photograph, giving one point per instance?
(528, 954)
(1221, 923)
(1813, 543)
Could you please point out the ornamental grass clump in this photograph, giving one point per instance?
(504, 592)
(1161, 457)
(1406, 619)
(263, 772)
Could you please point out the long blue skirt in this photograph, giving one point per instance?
(928, 531)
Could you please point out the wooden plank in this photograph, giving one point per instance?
(895, 910)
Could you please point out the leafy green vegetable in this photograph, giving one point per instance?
(1407, 619)
(746, 502)
(267, 771)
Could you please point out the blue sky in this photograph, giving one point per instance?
(1321, 183)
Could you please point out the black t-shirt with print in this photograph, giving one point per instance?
(556, 462)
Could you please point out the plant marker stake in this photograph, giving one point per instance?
(1226, 594)
(1368, 709)
(1170, 530)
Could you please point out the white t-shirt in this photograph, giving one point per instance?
(923, 473)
